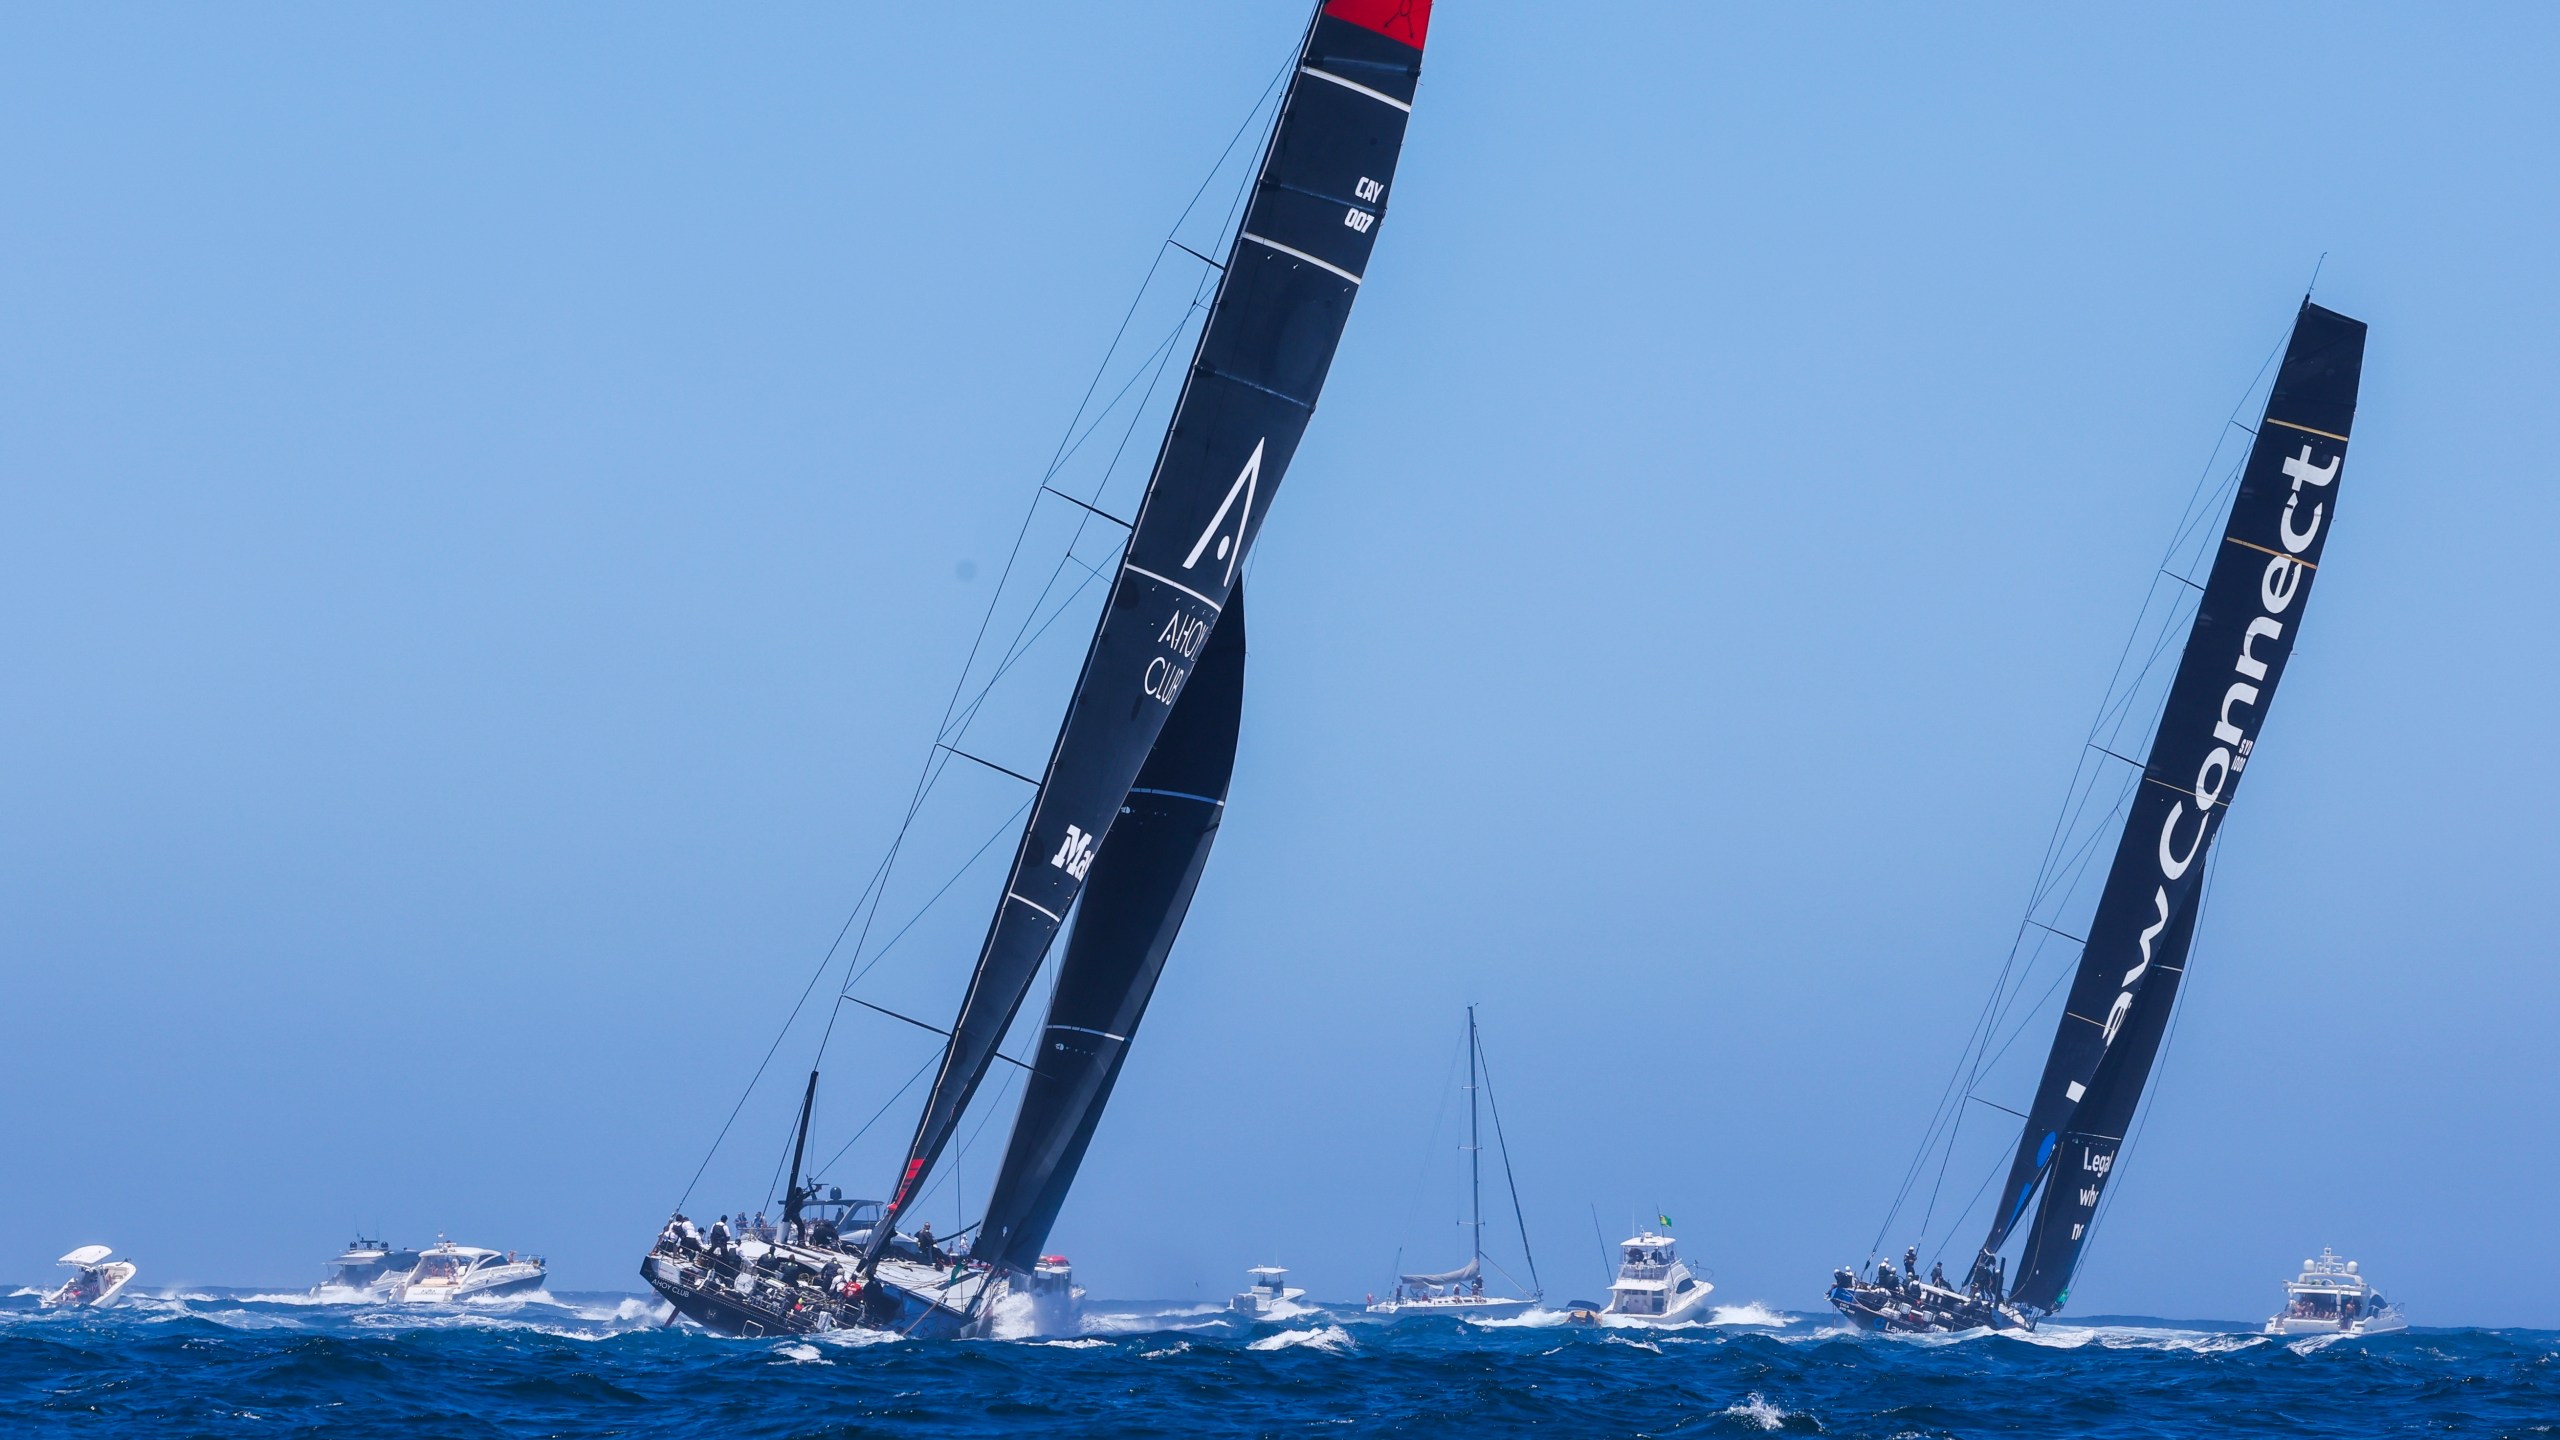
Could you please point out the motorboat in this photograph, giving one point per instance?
(1269, 1296)
(447, 1273)
(1056, 1305)
(95, 1279)
(2332, 1297)
(367, 1269)
(1654, 1285)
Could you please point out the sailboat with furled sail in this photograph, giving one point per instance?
(2115, 1017)
(1119, 829)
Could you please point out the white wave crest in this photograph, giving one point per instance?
(1753, 1315)
(1088, 1342)
(802, 1354)
(1757, 1413)
(1328, 1337)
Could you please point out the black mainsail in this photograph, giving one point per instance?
(1283, 298)
(1133, 907)
(2247, 620)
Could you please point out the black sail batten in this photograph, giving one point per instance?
(1291, 275)
(2247, 619)
(1125, 925)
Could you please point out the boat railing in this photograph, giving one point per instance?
(1644, 1272)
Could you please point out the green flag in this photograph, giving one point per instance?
(1665, 1219)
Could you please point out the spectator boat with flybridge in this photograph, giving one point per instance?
(2330, 1297)
(1654, 1285)
(366, 1270)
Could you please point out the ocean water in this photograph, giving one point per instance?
(207, 1363)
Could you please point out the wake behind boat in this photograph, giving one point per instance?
(96, 1280)
(2331, 1297)
(2115, 1017)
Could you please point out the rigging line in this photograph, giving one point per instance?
(857, 1135)
(1996, 1105)
(1096, 509)
(1504, 1146)
(1196, 255)
(994, 1103)
(2142, 1121)
(877, 886)
(990, 764)
(930, 1029)
(1004, 826)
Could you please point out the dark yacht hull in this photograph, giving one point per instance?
(1924, 1310)
(714, 1304)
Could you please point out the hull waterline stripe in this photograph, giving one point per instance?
(2263, 550)
(1177, 794)
(1355, 85)
(1036, 905)
(1296, 254)
(1178, 585)
(2307, 430)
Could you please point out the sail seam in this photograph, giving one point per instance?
(1178, 795)
(1088, 1030)
(1176, 584)
(1036, 905)
(2263, 550)
(1283, 396)
(1296, 254)
(1355, 85)
(2307, 430)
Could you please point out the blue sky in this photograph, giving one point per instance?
(497, 499)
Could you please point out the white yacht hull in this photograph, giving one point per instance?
(507, 1281)
(2383, 1324)
(1265, 1305)
(1684, 1309)
(116, 1275)
(1464, 1307)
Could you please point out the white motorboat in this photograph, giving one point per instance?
(1461, 1292)
(366, 1270)
(2331, 1297)
(95, 1279)
(450, 1272)
(1654, 1286)
(1269, 1297)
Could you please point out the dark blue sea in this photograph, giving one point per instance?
(203, 1363)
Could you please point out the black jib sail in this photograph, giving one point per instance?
(2246, 622)
(1284, 295)
(1133, 907)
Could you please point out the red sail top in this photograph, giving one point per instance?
(1404, 20)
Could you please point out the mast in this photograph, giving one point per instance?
(1284, 295)
(799, 1148)
(2247, 620)
(1475, 1149)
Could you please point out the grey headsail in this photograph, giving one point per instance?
(1286, 292)
(2246, 622)
(1133, 907)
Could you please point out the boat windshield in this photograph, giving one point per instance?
(443, 1267)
